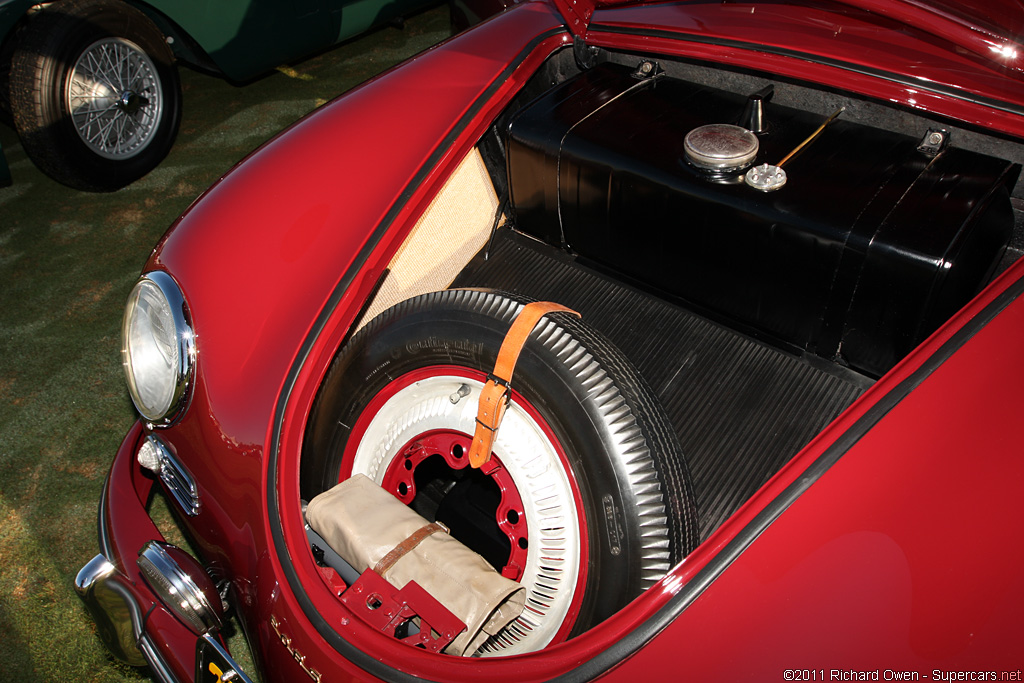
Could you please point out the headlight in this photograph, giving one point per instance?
(157, 348)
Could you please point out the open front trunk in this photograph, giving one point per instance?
(752, 315)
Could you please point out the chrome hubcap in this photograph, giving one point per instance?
(131, 102)
(115, 98)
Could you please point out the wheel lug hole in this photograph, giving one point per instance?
(512, 516)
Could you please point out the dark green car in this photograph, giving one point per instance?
(92, 85)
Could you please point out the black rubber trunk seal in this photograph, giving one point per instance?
(633, 641)
(947, 91)
(356, 656)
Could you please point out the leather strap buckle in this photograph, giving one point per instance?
(497, 392)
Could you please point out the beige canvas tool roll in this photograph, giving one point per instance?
(365, 525)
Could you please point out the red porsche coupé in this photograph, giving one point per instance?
(633, 341)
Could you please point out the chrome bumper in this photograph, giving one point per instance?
(108, 596)
(132, 621)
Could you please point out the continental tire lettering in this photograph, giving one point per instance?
(456, 347)
(612, 517)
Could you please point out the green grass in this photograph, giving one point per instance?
(67, 262)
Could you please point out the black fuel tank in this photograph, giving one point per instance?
(869, 246)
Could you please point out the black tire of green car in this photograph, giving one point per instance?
(615, 438)
(94, 93)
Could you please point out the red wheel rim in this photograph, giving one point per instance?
(444, 442)
(452, 446)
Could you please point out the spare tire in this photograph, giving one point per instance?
(586, 499)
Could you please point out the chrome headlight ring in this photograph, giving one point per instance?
(158, 349)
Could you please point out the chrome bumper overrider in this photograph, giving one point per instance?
(119, 619)
(111, 605)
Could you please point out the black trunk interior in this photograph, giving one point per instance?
(740, 407)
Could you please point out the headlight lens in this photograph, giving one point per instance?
(157, 348)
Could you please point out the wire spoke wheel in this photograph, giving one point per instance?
(115, 99)
(95, 93)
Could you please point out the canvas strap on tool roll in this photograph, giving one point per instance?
(370, 528)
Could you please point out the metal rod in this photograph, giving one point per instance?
(811, 137)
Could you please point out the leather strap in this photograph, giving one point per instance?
(494, 396)
(414, 539)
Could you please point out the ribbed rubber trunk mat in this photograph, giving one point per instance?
(741, 408)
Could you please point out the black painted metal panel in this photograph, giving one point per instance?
(863, 253)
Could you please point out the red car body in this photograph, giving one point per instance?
(889, 548)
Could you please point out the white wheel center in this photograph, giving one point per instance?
(553, 556)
